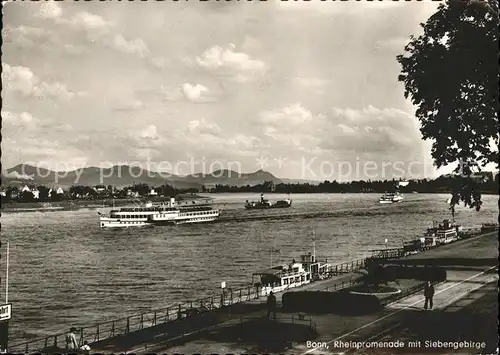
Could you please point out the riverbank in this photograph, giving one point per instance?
(155, 333)
(403, 320)
(65, 205)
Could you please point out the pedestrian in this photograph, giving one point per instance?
(71, 343)
(428, 294)
(271, 305)
(85, 348)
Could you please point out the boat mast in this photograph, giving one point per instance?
(7, 277)
(314, 246)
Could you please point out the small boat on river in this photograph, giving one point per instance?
(391, 197)
(265, 204)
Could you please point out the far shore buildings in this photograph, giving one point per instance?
(58, 191)
(33, 190)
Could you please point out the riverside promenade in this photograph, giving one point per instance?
(465, 310)
(470, 265)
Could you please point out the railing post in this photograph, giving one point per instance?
(154, 318)
(55, 342)
(46, 343)
(167, 318)
(248, 293)
(97, 332)
(127, 329)
(211, 302)
(240, 295)
(27, 348)
(142, 321)
(191, 304)
(113, 329)
(231, 301)
(81, 337)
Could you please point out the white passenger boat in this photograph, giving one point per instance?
(295, 274)
(390, 197)
(444, 232)
(171, 212)
(196, 212)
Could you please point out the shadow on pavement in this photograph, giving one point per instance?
(263, 335)
(476, 323)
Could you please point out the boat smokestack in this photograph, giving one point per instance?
(172, 200)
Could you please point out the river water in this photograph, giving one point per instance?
(66, 271)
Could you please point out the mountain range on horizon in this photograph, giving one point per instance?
(125, 175)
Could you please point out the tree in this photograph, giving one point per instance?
(43, 193)
(451, 74)
(27, 196)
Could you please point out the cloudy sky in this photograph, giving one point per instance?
(303, 90)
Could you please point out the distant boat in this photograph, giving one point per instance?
(390, 197)
(403, 183)
(265, 204)
(489, 227)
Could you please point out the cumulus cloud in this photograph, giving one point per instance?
(28, 37)
(90, 22)
(291, 127)
(194, 92)
(25, 122)
(22, 80)
(24, 119)
(54, 90)
(136, 46)
(203, 127)
(237, 64)
(18, 78)
(149, 132)
(289, 115)
(366, 130)
(371, 130)
(50, 10)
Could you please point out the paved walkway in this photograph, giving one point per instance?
(401, 312)
(461, 281)
(334, 328)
